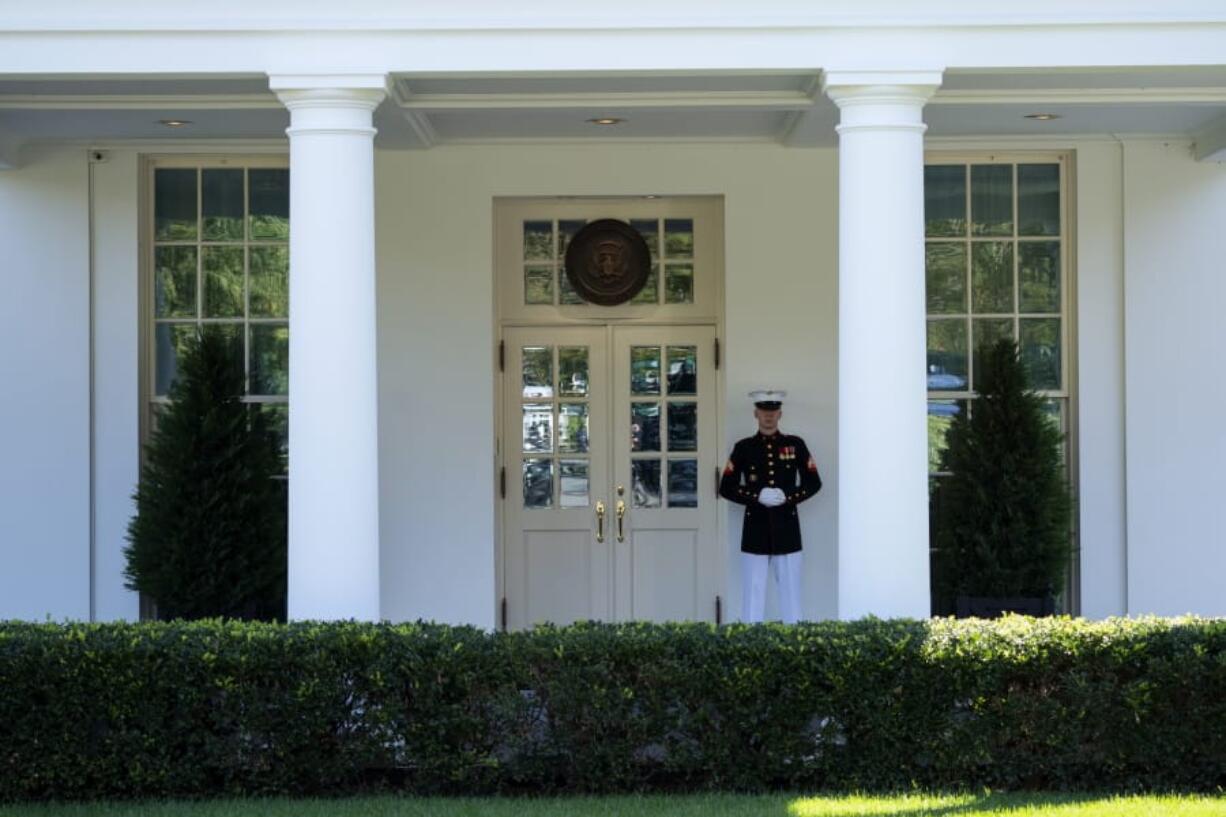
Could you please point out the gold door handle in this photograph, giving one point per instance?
(599, 521)
(621, 514)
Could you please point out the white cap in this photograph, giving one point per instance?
(769, 396)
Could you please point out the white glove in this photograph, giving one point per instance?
(771, 497)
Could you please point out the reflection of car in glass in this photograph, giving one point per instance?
(538, 484)
(681, 377)
(944, 409)
(939, 379)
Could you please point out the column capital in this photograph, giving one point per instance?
(329, 90)
(857, 82)
(880, 100)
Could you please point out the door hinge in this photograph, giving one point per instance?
(502, 355)
(719, 611)
(502, 482)
(717, 353)
(503, 614)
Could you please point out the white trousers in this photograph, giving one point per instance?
(786, 568)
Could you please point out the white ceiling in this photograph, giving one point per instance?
(785, 108)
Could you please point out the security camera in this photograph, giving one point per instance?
(97, 156)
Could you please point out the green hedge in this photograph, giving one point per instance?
(210, 708)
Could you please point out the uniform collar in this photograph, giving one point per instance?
(778, 435)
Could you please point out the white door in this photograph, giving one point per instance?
(610, 450)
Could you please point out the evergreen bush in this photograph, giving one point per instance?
(1002, 514)
(209, 535)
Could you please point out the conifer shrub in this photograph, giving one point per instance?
(209, 535)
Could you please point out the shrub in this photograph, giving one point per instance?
(209, 535)
(211, 708)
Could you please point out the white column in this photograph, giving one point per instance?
(333, 414)
(883, 447)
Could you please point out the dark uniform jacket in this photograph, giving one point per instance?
(780, 461)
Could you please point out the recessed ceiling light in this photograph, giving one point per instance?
(1042, 117)
(174, 123)
(606, 120)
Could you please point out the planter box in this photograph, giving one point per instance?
(996, 606)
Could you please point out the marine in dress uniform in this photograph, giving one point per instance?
(770, 474)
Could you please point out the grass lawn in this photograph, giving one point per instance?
(708, 805)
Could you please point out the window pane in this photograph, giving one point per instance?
(174, 204)
(174, 273)
(170, 339)
(649, 229)
(683, 483)
(269, 192)
(992, 277)
(1040, 343)
(276, 416)
(679, 284)
(682, 370)
(269, 359)
(567, 294)
(574, 483)
(945, 275)
(1038, 199)
(985, 332)
(566, 231)
(941, 415)
(538, 427)
(538, 285)
(572, 371)
(645, 483)
(679, 237)
(537, 371)
(682, 426)
(945, 200)
(1039, 275)
(650, 293)
(946, 355)
(269, 282)
(644, 369)
(222, 201)
(538, 483)
(538, 240)
(572, 428)
(644, 426)
(992, 199)
(223, 281)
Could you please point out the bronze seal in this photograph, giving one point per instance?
(608, 262)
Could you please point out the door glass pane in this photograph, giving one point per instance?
(538, 427)
(537, 371)
(1039, 275)
(175, 282)
(223, 281)
(682, 426)
(1038, 199)
(269, 192)
(644, 369)
(572, 428)
(683, 483)
(941, 414)
(650, 293)
(222, 201)
(945, 200)
(946, 355)
(567, 294)
(985, 332)
(645, 485)
(174, 197)
(269, 359)
(679, 284)
(538, 483)
(269, 276)
(992, 276)
(574, 483)
(572, 371)
(644, 426)
(1040, 342)
(649, 229)
(682, 369)
(992, 199)
(538, 284)
(679, 237)
(538, 241)
(566, 231)
(945, 276)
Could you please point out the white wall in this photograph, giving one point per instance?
(44, 387)
(1175, 339)
(437, 338)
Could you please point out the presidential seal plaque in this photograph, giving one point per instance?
(608, 262)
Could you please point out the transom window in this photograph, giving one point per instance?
(219, 256)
